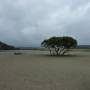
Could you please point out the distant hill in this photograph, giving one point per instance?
(83, 46)
(30, 48)
(4, 46)
(40, 48)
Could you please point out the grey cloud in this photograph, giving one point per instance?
(28, 22)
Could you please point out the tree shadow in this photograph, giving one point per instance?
(63, 56)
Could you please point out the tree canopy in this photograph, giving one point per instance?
(59, 45)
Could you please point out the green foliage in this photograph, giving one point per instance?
(60, 44)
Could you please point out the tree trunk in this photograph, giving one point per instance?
(61, 50)
(50, 51)
(57, 51)
(65, 51)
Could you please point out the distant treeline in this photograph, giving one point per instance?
(40, 48)
(4, 46)
(83, 47)
(31, 48)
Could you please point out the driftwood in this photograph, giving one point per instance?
(18, 53)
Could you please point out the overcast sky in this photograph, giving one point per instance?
(28, 22)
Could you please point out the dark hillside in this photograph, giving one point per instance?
(4, 46)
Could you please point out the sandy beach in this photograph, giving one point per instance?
(36, 70)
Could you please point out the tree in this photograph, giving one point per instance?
(59, 45)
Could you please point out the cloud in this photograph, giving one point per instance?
(28, 22)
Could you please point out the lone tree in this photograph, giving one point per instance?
(59, 45)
